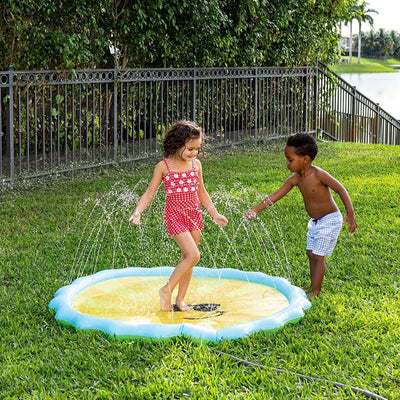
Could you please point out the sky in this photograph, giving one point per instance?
(388, 17)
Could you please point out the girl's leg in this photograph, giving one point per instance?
(186, 278)
(317, 272)
(190, 257)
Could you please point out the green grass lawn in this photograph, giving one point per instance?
(392, 61)
(366, 65)
(55, 232)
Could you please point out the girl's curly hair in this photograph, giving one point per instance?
(178, 134)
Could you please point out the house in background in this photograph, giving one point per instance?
(345, 43)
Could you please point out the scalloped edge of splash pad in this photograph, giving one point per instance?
(126, 327)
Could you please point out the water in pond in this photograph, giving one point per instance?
(382, 88)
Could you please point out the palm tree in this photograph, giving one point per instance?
(348, 19)
(384, 43)
(362, 15)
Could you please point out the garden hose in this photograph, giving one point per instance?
(337, 384)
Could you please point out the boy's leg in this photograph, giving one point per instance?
(317, 272)
(322, 235)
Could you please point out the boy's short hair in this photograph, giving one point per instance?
(304, 144)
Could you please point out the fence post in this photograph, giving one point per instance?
(115, 114)
(306, 105)
(10, 126)
(316, 98)
(256, 103)
(353, 114)
(376, 138)
(194, 88)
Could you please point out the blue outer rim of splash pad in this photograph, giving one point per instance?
(62, 304)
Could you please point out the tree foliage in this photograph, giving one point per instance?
(381, 44)
(47, 34)
(58, 34)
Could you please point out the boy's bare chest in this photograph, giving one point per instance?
(311, 187)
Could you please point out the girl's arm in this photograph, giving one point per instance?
(148, 195)
(272, 198)
(205, 199)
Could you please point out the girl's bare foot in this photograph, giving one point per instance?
(314, 293)
(165, 298)
(182, 306)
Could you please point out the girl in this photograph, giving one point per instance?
(183, 181)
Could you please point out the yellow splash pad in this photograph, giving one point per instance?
(135, 299)
(226, 303)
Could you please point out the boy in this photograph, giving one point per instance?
(314, 184)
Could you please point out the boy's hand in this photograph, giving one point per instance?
(351, 223)
(135, 218)
(220, 220)
(249, 215)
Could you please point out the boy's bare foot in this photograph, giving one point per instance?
(314, 293)
(182, 306)
(165, 298)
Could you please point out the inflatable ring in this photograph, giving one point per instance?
(225, 304)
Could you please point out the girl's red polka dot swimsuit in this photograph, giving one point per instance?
(182, 207)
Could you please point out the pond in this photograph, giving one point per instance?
(382, 88)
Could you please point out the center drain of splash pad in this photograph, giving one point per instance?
(226, 303)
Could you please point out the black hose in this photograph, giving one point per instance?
(337, 384)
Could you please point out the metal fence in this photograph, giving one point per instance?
(51, 122)
(347, 115)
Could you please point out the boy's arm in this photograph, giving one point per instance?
(349, 217)
(272, 198)
(338, 188)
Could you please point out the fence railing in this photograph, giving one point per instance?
(64, 121)
(54, 121)
(347, 115)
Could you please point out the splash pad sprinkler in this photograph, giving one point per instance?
(227, 304)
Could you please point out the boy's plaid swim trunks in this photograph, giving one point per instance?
(323, 233)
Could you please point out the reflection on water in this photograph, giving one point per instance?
(382, 88)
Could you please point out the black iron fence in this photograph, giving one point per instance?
(347, 115)
(64, 121)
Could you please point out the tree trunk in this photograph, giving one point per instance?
(359, 43)
(351, 42)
